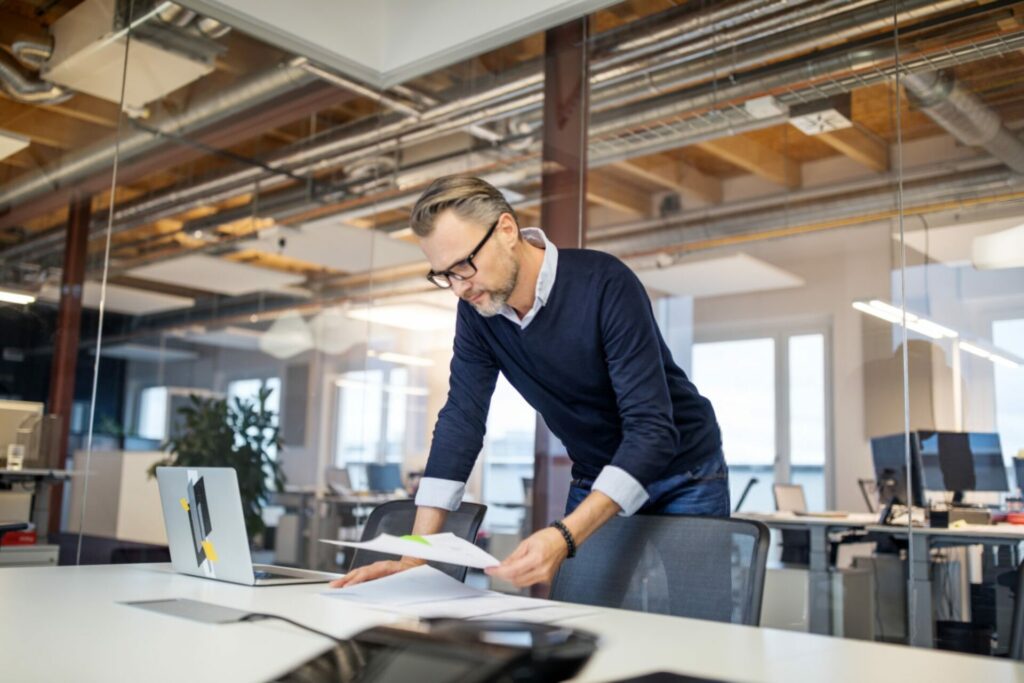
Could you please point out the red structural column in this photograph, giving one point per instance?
(563, 216)
(65, 348)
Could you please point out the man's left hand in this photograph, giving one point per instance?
(536, 560)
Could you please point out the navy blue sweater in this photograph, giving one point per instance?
(593, 363)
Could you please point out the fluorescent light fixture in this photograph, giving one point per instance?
(877, 312)
(10, 297)
(975, 350)
(401, 358)
(407, 316)
(1003, 249)
(915, 323)
(388, 388)
(996, 358)
(999, 360)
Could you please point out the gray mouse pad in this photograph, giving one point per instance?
(204, 612)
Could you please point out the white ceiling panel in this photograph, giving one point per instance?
(387, 42)
(122, 299)
(736, 274)
(147, 354)
(331, 244)
(199, 271)
(240, 338)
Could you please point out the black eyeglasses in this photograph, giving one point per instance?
(461, 270)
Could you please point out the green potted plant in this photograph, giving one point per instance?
(237, 434)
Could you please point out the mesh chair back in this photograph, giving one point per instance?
(396, 518)
(1017, 625)
(700, 567)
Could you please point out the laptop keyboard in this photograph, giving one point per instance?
(262, 575)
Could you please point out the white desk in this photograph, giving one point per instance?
(66, 623)
(922, 540)
(819, 581)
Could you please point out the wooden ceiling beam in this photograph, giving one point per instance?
(674, 175)
(859, 144)
(47, 127)
(615, 194)
(756, 158)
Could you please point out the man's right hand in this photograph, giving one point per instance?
(377, 570)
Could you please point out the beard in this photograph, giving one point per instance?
(497, 297)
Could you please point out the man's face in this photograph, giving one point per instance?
(497, 267)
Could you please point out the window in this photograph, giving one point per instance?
(153, 404)
(769, 394)
(807, 420)
(507, 456)
(738, 377)
(249, 390)
(1009, 335)
(378, 411)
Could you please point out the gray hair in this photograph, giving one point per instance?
(472, 199)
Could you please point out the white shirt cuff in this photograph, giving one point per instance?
(440, 493)
(620, 486)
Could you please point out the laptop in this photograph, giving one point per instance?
(206, 529)
(790, 498)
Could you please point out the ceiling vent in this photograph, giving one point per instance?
(89, 51)
(822, 116)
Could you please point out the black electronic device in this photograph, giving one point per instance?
(890, 460)
(968, 461)
(383, 478)
(452, 650)
(1018, 470)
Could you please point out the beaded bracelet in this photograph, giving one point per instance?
(567, 535)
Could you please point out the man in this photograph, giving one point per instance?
(573, 331)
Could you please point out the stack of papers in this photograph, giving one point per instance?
(433, 548)
(425, 592)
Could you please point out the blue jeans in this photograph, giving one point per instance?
(703, 490)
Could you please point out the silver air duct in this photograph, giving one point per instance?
(28, 89)
(964, 116)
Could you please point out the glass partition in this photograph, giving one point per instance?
(822, 200)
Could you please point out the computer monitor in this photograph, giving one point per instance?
(19, 427)
(889, 456)
(383, 478)
(989, 468)
(967, 461)
(1018, 471)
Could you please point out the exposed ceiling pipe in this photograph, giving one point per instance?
(176, 15)
(200, 193)
(260, 87)
(674, 233)
(965, 116)
(32, 53)
(25, 88)
(374, 134)
(75, 166)
(211, 28)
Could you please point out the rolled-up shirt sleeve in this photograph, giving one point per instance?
(621, 487)
(462, 422)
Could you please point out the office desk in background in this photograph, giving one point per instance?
(67, 624)
(922, 540)
(819, 581)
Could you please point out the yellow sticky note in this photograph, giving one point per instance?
(184, 503)
(211, 554)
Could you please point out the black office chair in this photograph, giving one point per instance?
(396, 518)
(700, 567)
(1017, 627)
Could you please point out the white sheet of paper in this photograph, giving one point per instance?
(421, 584)
(438, 548)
